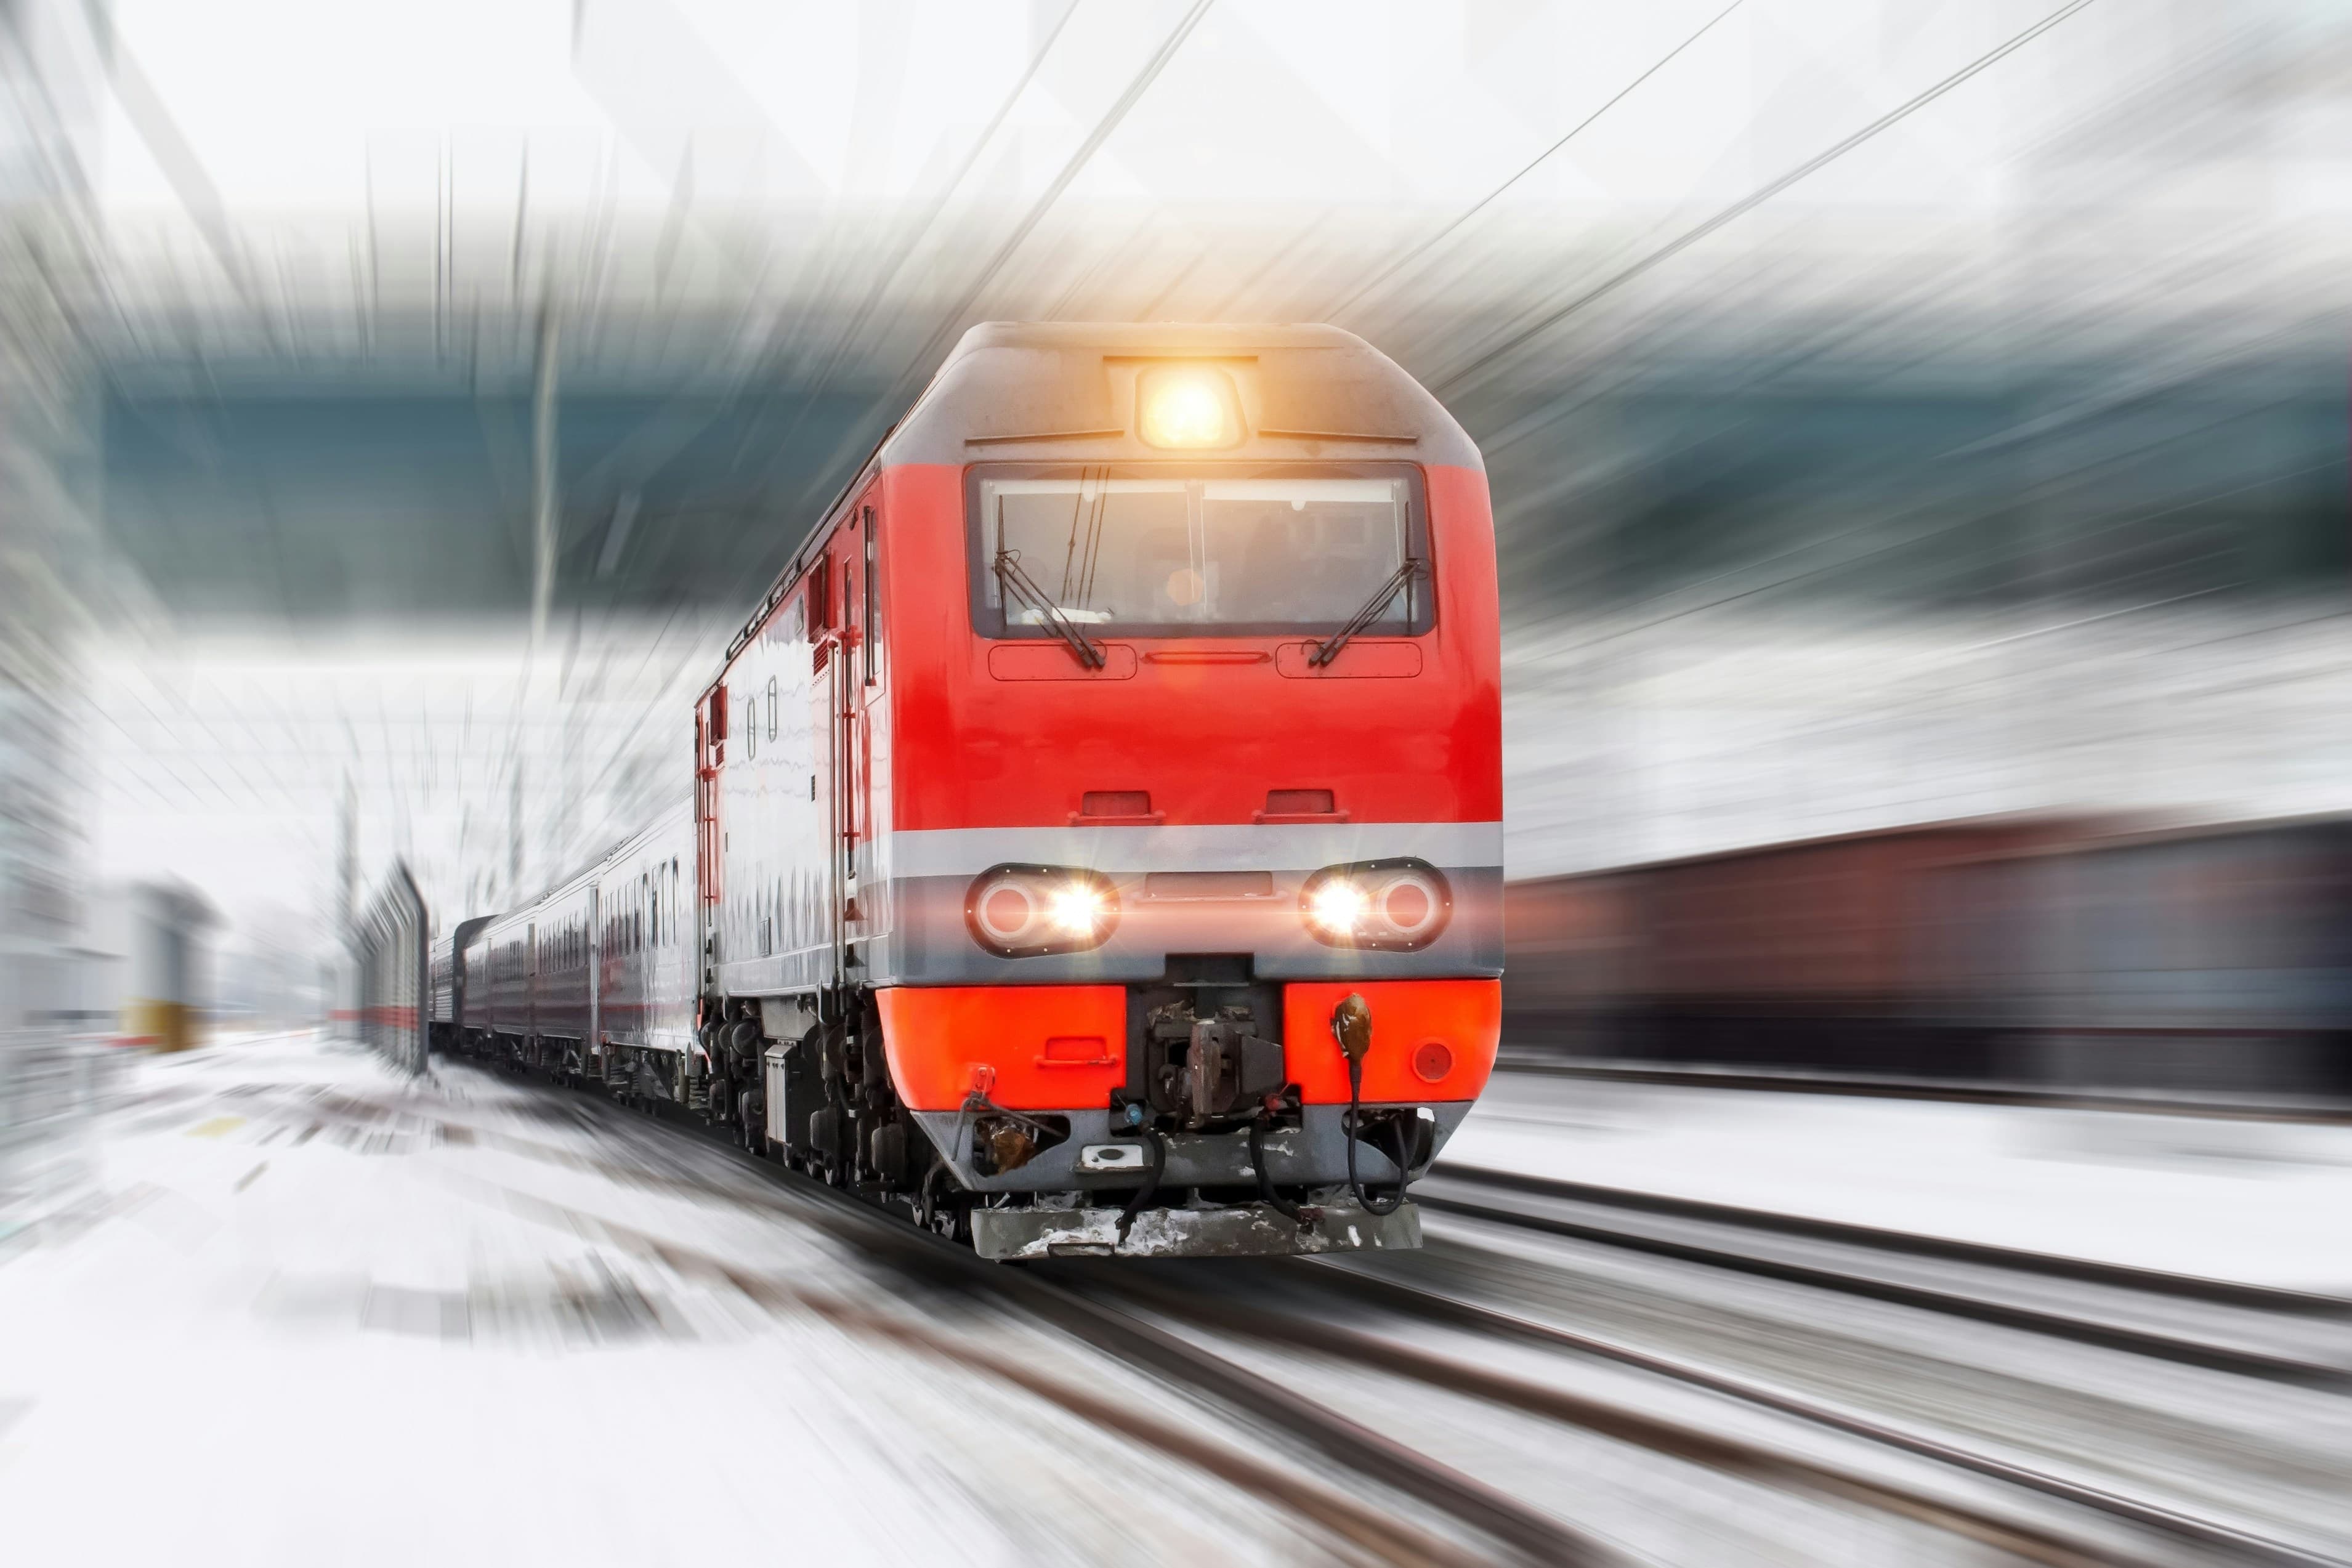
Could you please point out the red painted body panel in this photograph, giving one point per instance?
(1207, 739)
(1025, 1039)
(1039, 1048)
(1464, 1016)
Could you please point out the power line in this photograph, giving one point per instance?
(914, 233)
(1418, 251)
(927, 356)
(1461, 378)
(1110, 121)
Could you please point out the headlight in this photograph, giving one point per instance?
(1392, 905)
(1187, 405)
(1026, 911)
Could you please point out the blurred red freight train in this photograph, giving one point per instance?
(1098, 825)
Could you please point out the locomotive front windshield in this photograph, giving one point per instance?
(1198, 552)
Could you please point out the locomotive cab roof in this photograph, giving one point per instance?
(1069, 391)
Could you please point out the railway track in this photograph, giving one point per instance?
(1462, 1521)
(1396, 1352)
(2282, 1336)
(1141, 1322)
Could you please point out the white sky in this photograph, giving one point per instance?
(285, 102)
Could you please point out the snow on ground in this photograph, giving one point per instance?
(305, 1311)
(2261, 1202)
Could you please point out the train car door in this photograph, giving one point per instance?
(709, 760)
(592, 938)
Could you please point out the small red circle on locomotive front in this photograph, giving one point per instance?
(1407, 906)
(1006, 911)
(1431, 1061)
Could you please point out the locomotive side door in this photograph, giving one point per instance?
(849, 683)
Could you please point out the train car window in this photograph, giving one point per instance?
(771, 708)
(1220, 550)
(751, 727)
(872, 604)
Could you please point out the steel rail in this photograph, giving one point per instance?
(2204, 1534)
(1528, 1534)
(2235, 1359)
(2023, 1260)
(1524, 1533)
(1674, 1439)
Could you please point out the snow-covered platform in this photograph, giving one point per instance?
(2259, 1201)
(301, 1309)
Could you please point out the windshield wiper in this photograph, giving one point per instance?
(1018, 586)
(1404, 574)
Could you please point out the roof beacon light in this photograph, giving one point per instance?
(1190, 405)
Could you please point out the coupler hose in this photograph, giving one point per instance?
(1395, 1200)
(1150, 1188)
(1272, 1199)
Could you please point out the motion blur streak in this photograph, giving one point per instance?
(1917, 442)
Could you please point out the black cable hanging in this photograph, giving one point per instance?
(1150, 1188)
(1351, 1027)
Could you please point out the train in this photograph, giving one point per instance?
(2064, 953)
(1094, 837)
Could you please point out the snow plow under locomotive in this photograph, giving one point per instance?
(1095, 843)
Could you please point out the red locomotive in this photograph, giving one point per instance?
(1096, 835)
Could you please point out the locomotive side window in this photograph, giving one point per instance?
(820, 601)
(873, 603)
(1209, 551)
(771, 708)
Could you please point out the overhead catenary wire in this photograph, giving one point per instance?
(925, 358)
(1111, 119)
(1483, 202)
(1467, 375)
(922, 225)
